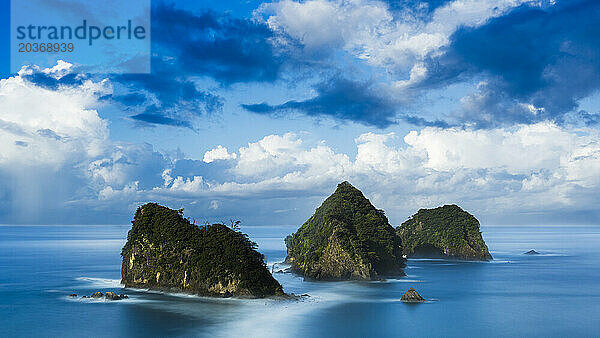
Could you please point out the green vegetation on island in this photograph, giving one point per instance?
(347, 238)
(446, 231)
(164, 251)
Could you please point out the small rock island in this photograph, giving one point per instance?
(412, 296)
(443, 232)
(164, 251)
(347, 238)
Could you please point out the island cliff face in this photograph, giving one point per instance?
(346, 239)
(444, 232)
(164, 251)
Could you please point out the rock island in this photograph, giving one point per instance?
(347, 238)
(164, 251)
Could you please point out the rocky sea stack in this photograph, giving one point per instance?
(346, 239)
(412, 296)
(444, 232)
(164, 251)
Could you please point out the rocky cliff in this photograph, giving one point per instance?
(444, 232)
(346, 238)
(164, 251)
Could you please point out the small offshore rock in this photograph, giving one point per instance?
(412, 296)
(531, 252)
(97, 294)
(112, 296)
(73, 295)
(123, 296)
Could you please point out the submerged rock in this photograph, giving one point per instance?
(531, 252)
(444, 232)
(412, 296)
(347, 238)
(164, 251)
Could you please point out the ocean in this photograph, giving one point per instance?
(554, 294)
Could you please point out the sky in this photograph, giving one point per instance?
(257, 110)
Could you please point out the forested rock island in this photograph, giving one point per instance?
(165, 251)
(443, 232)
(347, 238)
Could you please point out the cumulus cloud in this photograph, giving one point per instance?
(218, 153)
(528, 169)
(45, 127)
(55, 149)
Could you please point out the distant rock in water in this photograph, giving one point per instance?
(346, 239)
(444, 232)
(412, 296)
(113, 296)
(164, 251)
(97, 294)
(107, 296)
(531, 252)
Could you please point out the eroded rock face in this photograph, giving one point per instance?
(444, 232)
(164, 251)
(346, 239)
(412, 296)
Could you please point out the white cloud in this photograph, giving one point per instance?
(46, 127)
(55, 151)
(528, 168)
(525, 148)
(277, 155)
(219, 153)
(370, 31)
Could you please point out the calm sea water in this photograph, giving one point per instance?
(555, 294)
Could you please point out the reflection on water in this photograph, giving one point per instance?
(552, 294)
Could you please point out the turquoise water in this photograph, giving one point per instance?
(555, 294)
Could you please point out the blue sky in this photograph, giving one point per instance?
(256, 110)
